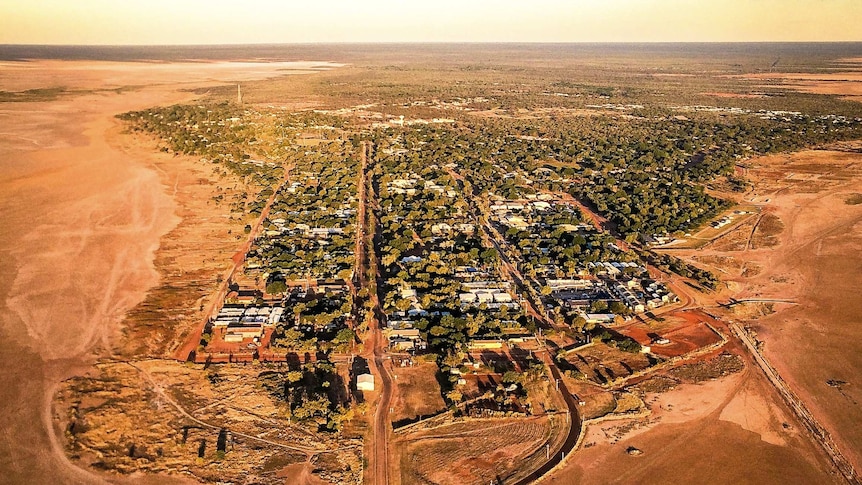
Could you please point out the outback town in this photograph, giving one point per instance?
(462, 263)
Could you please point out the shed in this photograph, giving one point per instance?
(365, 382)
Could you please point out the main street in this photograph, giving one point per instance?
(375, 345)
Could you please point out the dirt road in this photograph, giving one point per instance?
(191, 343)
(375, 346)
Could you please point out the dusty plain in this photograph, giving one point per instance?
(84, 211)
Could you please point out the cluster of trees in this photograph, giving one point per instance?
(318, 325)
(406, 223)
(562, 253)
(327, 198)
(645, 174)
(312, 393)
(666, 262)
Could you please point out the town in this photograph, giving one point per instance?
(498, 269)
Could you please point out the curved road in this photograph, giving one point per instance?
(575, 425)
(535, 307)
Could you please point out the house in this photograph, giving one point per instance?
(569, 284)
(441, 228)
(466, 228)
(599, 317)
(245, 331)
(515, 221)
(485, 344)
(365, 382)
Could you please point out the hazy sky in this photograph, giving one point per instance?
(276, 21)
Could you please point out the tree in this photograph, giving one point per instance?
(598, 306)
(292, 337)
(276, 287)
(294, 376)
(454, 396)
(618, 308)
(345, 336)
(579, 324)
(312, 407)
(512, 377)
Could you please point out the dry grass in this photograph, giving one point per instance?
(470, 452)
(598, 405)
(766, 234)
(602, 363)
(627, 402)
(657, 384)
(118, 422)
(719, 366)
(417, 392)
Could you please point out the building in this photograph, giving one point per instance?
(569, 284)
(365, 382)
(485, 344)
(628, 297)
(599, 317)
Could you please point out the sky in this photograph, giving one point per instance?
(119, 22)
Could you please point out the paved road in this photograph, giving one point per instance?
(574, 432)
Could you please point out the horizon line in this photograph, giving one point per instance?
(448, 42)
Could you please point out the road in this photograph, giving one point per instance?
(367, 277)
(821, 436)
(534, 307)
(191, 343)
(574, 432)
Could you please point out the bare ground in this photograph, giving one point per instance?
(82, 222)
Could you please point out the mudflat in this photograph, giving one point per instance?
(803, 249)
(725, 431)
(83, 217)
(815, 344)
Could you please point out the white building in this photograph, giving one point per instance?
(365, 382)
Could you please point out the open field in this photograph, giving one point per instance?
(202, 416)
(847, 82)
(804, 250)
(685, 331)
(815, 261)
(417, 392)
(678, 440)
(737, 215)
(472, 451)
(601, 363)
